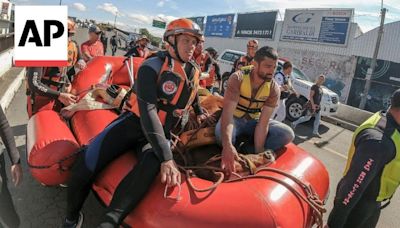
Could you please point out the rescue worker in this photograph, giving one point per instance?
(8, 214)
(212, 69)
(248, 59)
(371, 176)
(49, 87)
(93, 47)
(165, 88)
(75, 59)
(140, 49)
(249, 101)
(199, 57)
(283, 79)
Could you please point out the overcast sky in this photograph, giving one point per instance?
(133, 14)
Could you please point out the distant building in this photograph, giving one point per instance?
(6, 17)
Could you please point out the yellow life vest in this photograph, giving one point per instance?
(247, 103)
(390, 178)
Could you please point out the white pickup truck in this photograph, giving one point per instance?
(301, 83)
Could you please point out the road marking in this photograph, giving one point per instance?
(334, 152)
(328, 149)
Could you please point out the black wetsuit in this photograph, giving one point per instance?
(355, 204)
(7, 210)
(128, 132)
(114, 45)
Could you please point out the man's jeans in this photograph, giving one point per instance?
(279, 134)
(307, 118)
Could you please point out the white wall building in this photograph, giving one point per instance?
(337, 62)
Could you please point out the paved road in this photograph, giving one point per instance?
(41, 206)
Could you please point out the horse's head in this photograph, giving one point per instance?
(212, 103)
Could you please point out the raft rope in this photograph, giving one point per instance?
(60, 167)
(311, 197)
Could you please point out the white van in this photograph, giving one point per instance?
(301, 83)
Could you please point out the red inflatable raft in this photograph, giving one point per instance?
(271, 199)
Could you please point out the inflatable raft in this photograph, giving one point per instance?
(288, 193)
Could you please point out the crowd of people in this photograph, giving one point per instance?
(254, 106)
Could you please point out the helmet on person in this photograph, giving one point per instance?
(183, 26)
(71, 26)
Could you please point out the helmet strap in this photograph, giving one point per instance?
(175, 47)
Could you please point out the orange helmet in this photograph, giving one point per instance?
(183, 26)
(71, 26)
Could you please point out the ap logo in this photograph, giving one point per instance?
(41, 36)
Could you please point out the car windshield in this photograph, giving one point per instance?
(231, 57)
(298, 74)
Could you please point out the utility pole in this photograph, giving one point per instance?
(371, 70)
(115, 19)
(60, 2)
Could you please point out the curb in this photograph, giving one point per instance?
(12, 89)
(342, 123)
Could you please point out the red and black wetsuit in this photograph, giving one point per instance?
(355, 204)
(147, 135)
(44, 87)
(7, 210)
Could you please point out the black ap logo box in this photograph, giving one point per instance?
(41, 36)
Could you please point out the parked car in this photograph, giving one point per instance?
(300, 81)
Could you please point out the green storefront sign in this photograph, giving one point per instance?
(159, 24)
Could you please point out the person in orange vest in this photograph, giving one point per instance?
(93, 47)
(49, 87)
(164, 91)
(200, 57)
(248, 59)
(140, 49)
(212, 68)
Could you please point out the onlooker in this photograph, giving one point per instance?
(93, 47)
(283, 79)
(8, 215)
(114, 44)
(104, 41)
(313, 106)
(372, 172)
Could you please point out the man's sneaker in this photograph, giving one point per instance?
(73, 224)
(316, 134)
